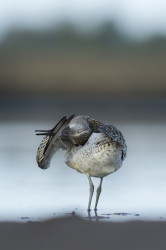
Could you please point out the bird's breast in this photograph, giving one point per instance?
(98, 157)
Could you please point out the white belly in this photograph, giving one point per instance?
(97, 160)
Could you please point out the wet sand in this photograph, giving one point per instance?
(78, 234)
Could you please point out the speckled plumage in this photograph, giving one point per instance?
(92, 148)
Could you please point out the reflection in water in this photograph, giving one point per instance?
(109, 216)
(96, 217)
(136, 191)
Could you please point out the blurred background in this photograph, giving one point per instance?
(91, 53)
(106, 59)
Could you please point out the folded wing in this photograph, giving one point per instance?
(115, 135)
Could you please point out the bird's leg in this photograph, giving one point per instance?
(96, 215)
(89, 215)
(98, 191)
(91, 191)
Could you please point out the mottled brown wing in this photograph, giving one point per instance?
(50, 143)
(115, 135)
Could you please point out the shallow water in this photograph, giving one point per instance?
(136, 191)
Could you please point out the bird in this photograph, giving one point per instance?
(92, 148)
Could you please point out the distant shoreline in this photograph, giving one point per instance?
(52, 108)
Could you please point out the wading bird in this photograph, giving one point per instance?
(93, 148)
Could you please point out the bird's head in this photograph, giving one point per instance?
(78, 130)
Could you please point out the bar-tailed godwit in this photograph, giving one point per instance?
(93, 148)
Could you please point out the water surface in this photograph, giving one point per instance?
(136, 191)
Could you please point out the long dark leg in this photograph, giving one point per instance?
(89, 215)
(91, 191)
(98, 191)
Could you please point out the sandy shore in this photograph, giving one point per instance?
(77, 234)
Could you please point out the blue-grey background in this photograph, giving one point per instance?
(105, 59)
